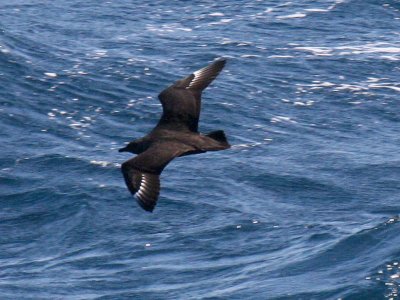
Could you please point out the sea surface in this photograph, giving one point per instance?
(306, 203)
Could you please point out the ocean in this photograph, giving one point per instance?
(305, 205)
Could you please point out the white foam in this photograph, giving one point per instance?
(279, 119)
(289, 3)
(249, 56)
(244, 44)
(388, 57)
(226, 41)
(4, 50)
(318, 51)
(101, 163)
(350, 87)
(226, 20)
(326, 84)
(387, 51)
(316, 10)
(373, 79)
(248, 145)
(167, 28)
(50, 74)
(377, 86)
(78, 125)
(320, 85)
(370, 48)
(228, 104)
(292, 16)
(100, 52)
(280, 56)
(216, 14)
(222, 22)
(335, 4)
(307, 103)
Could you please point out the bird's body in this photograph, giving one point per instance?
(176, 134)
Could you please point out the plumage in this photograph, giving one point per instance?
(176, 134)
(182, 101)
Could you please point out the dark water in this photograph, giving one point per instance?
(304, 206)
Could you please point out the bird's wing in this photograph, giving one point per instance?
(182, 101)
(142, 173)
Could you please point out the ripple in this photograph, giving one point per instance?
(307, 194)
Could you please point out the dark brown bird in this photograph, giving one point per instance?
(176, 134)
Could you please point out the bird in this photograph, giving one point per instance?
(176, 134)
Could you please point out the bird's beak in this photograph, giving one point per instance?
(122, 149)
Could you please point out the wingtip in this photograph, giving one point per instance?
(221, 60)
(148, 208)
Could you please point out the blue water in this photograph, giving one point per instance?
(304, 206)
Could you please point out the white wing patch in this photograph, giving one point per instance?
(149, 189)
(203, 77)
(198, 75)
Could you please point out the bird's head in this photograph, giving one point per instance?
(136, 147)
(131, 147)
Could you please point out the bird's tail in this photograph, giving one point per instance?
(219, 136)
